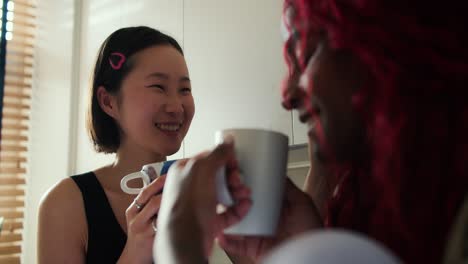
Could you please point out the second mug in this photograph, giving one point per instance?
(160, 168)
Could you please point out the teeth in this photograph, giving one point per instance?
(168, 127)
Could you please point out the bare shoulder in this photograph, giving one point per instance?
(64, 197)
(62, 230)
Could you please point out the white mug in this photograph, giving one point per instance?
(262, 157)
(160, 168)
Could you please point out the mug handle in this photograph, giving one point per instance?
(223, 194)
(132, 176)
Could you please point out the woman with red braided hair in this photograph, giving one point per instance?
(383, 88)
(394, 139)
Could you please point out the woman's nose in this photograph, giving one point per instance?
(174, 104)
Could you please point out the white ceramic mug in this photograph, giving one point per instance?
(160, 168)
(262, 157)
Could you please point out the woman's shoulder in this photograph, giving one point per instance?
(63, 194)
(64, 200)
(62, 217)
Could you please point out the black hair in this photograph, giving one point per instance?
(113, 64)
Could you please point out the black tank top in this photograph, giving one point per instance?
(106, 239)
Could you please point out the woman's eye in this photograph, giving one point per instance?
(158, 86)
(186, 90)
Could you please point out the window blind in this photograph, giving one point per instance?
(16, 67)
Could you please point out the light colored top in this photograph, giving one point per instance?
(331, 246)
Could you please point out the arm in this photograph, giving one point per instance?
(188, 249)
(62, 225)
(180, 241)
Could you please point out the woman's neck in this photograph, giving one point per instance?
(129, 158)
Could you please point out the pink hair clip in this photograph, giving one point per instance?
(120, 60)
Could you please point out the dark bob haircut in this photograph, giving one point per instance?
(113, 64)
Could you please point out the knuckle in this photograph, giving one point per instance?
(198, 164)
(127, 212)
(144, 194)
(219, 150)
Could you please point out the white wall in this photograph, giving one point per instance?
(50, 119)
(235, 53)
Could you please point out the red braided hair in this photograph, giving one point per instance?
(416, 118)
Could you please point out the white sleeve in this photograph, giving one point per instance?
(331, 246)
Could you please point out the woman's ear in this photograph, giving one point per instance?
(107, 102)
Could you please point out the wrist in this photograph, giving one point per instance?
(124, 258)
(179, 239)
(128, 258)
(184, 241)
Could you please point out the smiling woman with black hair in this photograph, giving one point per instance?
(140, 108)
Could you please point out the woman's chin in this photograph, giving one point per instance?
(172, 149)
